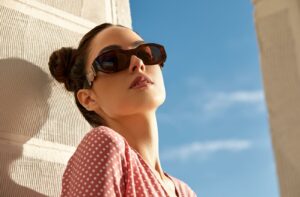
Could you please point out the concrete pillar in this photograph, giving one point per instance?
(40, 125)
(278, 31)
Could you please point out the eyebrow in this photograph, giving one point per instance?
(115, 46)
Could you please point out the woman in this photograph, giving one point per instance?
(118, 85)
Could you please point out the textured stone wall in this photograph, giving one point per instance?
(278, 31)
(40, 125)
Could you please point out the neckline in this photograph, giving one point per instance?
(152, 171)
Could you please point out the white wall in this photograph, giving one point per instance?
(40, 125)
(278, 31)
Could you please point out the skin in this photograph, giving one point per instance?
(130, 112)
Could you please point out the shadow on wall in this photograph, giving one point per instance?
(24, 109)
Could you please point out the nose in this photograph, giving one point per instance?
(136, 64)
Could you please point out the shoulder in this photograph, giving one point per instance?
(100, 146)
(183, 188)
(102, 137)
(103, 133)
(100, 154)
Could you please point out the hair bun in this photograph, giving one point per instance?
(60, 64)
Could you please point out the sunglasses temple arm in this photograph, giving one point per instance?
(91, 76)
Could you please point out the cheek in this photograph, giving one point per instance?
(161, 86)
(156, 73)
(115, 99)
(158, 93)
(109, 97)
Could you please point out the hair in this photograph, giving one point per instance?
(67, 65)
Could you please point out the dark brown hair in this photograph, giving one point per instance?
(67, 65)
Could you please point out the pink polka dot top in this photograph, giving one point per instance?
(105, 165)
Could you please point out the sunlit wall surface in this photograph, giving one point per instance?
(278, 29)
(40, 125)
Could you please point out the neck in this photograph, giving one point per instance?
(141, 132)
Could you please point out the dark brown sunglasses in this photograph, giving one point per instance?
(119, 59)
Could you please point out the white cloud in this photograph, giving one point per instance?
(205, 149)
(201, 102)
(222, 100)
(209, 100)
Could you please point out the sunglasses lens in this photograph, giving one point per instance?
(107, 62)
(150, 54)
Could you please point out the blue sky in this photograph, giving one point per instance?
(213, 126)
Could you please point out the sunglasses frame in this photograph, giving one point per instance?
(91, 75)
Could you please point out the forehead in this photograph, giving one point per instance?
(115, 35)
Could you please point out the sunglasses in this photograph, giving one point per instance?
(118, 59)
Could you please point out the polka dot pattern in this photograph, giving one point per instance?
(105, 165)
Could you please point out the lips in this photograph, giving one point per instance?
(140, 80)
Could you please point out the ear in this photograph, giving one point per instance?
(87, 99)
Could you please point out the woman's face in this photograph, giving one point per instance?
(110, 92)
